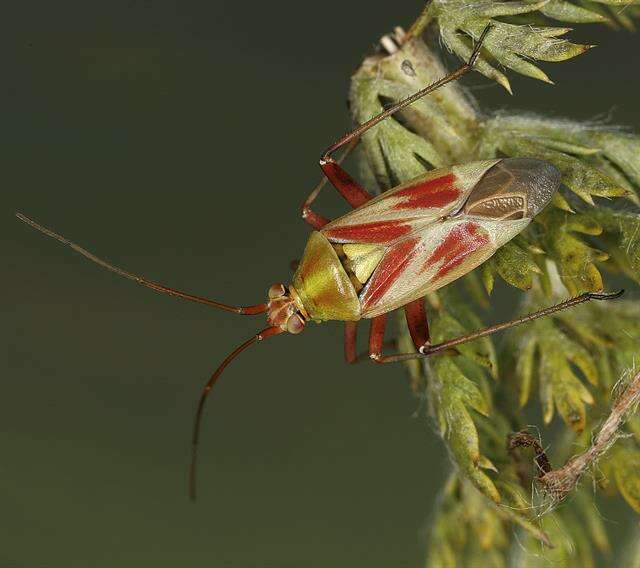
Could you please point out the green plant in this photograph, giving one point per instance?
(582, 362)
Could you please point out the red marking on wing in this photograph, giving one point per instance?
(377, 232)
(455, 247)
(388, 271)
(430, 194)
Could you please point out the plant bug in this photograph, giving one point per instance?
(391, 250)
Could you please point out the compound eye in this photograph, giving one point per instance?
(295, 324)
(276, 291)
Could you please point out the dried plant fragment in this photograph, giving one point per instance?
(562, 481)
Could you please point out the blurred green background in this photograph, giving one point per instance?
(178, 140)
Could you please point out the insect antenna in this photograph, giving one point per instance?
(264, 334)
(243, 310)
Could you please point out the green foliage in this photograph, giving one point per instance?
(574, 258)
(470, 526)
(542, 350)
(619, 471)
(514, 263)
(615, 13)
(594, 161)
(572, 546)
(521, 32)
(569, 363)
(459, 391)
(611, 334)
(623, 228)
(625, 465)
(631, 554)
(457, 387)
(509, 45)
(468, 530)
(590, 345)
(442, 128)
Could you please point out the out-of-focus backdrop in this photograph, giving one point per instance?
(178, 139)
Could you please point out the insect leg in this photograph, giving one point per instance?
(357, 132)
(314, 219)
(349, 188)
(440, 348)
(376, 337)
(417, 322)
(342, 181)
(350, 341)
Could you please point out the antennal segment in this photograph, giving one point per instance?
(264, 334)
(243, 310)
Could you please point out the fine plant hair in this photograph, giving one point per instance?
(504, 503)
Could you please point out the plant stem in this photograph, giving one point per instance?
(561, 482)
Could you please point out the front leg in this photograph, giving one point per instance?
(353, 193)
(342, 181)
(350, 189)
(350, 341)
(310, 216)
(418, 328)
(350, 344)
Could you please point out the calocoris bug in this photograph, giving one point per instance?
(391, 250)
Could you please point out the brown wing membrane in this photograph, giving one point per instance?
(514, 188)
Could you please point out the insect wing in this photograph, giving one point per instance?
(409, 207)
(431, 258)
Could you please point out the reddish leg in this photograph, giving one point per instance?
(353, 136)
(354, 194)
(343, 182)
(350, 347)
(349, 188)
(417, 323)
(350, 341)
(311, 217)
(418, 328)
(376, 337)
(427, 350)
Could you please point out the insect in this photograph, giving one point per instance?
(391, 250)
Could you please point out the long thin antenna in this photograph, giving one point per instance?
(243, 310)
(264, 334)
